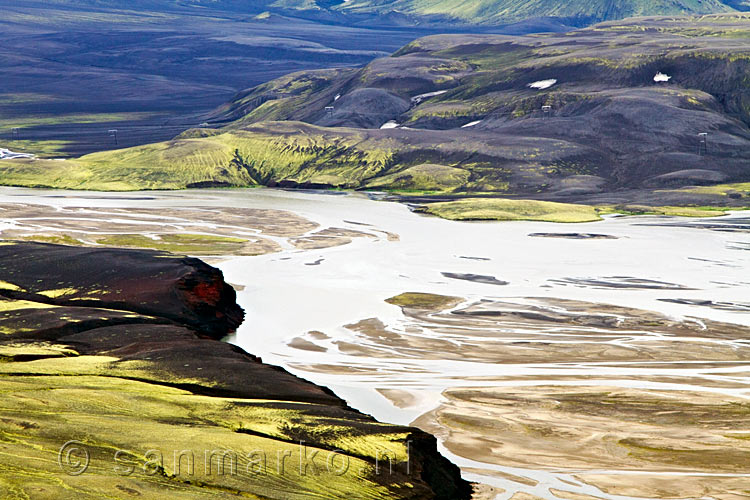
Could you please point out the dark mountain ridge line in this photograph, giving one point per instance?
(408, 12)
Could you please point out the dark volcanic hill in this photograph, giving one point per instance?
(619, 106)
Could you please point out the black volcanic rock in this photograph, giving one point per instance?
(476, 278)
(365, 108)
(184, 290)
(575, 236)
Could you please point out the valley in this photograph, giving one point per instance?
(71, 72)
(486, 249)
(604, 359)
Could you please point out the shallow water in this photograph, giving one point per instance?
(652, 264)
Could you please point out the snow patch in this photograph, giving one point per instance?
(471, 124)
(661, 77)
(542, 84)
(7, 154)
(421, 97)
(389, 124)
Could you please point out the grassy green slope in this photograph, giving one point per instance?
(499, 209)
(504, 11)
(256, 156)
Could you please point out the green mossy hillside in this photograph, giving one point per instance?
(292, 152)
(101, 402)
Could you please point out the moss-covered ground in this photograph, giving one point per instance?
(508, 11)
(109, 408)
(500, 209)
(689, 211)
(232, 158)
(193, 244)
(421, 300)
(508, 210)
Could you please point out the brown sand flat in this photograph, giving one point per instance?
(682, 486)
(596, 427)
(330, 237)
(257, 227)
(653, 396)
(548, 331)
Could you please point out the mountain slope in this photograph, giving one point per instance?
(609, 124)
(505, 11)
(574, 117)
(71, 71)
(491, 12)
